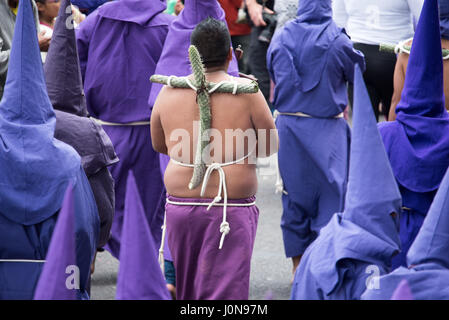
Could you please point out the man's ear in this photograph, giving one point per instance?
(40, 6)
(229, 57)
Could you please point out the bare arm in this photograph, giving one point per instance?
(157, 132)
(263, 123)
(398, 83)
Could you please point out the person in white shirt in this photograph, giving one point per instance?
(370, 23)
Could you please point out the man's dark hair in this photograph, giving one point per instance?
(212, 39)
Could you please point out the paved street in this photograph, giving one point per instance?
(271, 271)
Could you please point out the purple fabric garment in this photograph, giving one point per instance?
(61, 257)
(134, 149)
(313, 155)
(65, 89)
(62, 72)
(310, 61)
(444, 18)
(418, 141)
(139, 276)
(137, 11)
(175, 56)
(431, 244)
(204, 272)
(307, 39)
(36, 168)
(88, 138)
(427, 282)
(117, 58)
(365, 235)
(402, 292)
(313, 163)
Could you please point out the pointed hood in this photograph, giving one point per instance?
(61, 257)
(137, 11)
(174, 59)
(418, 141)
(62, 69)
(315, 11)
(423, 93)
(139, 276)
(364, 232)
(307, 40)
(432, 242)
(372, 190)
(36, 168)
(402, 292)
(444, 18)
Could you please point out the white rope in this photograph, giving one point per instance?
(190, 84)
(234, 91)
(304, 115)
(400, 47)
(161, 248)
(224, 226)
(106, 123)
(198, 204)
(22, 260)
(214, 88)
(170, 78)
(222, 189)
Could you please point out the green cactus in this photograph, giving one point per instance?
(203, 99)
(383, 47)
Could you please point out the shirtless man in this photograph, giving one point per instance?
(402, 62)
(203, 271)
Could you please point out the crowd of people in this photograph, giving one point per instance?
(161, 173)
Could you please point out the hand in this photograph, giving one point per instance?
(44, 41)
(255, 13)
(78, 17)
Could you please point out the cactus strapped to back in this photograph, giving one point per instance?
(203, 90)
(402, 47)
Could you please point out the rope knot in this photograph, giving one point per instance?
(224, 228)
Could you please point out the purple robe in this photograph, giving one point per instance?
(310, 60)
(358, 244)
(119, 46)
(418, 140)
(204, 272)
(428, 259)
(139, 276)
(66, 93)
(36, 168)
(61, 256)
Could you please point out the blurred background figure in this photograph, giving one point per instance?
(264, 23)
(174, 7)
(239, 29)
(286, 10)
(370, 23)
(48, 11)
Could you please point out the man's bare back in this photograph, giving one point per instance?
(238, 123)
